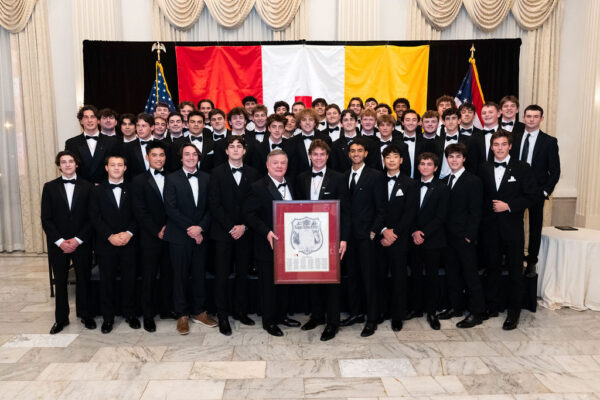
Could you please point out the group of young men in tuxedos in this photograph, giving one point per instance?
(416, 193)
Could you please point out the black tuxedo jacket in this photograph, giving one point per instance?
(148, 208)
(464, 206)
(60, 222)
(545, 161)
(421, 145)
(220, 156)
(181, 210)
(206, 158)
(258, 214)
(517, 188)
(472, 158)
(298, 157)
(367, 203)
(401, 209)
(375, 161)
(262, 151)
(252, 133)
(340, 161)
(518, 127)
(109, 218)
(226, 197)
(135, 159)
(432, 214)
(479, 154)
(91, 168)
(333, 187)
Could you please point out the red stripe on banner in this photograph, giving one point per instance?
(224, 74)
(476, 93)
(307, 100)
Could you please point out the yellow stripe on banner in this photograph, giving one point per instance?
(386, 73)
(472, 61)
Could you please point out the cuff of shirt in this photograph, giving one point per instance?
(59, 242)
(545, 194)
(130, 233)
(78, 240)
(383, 230)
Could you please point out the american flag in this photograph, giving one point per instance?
(160, 92)
(470, 92)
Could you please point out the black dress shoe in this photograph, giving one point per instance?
(353, 319)
(273, 330)
(510, 323)
(149, 325)
(369, 329)
(292, 323)
(311, 324)
(469, 322)
(329, 332)
(57, 327)
(434, 322)
(89, 323)
(106, 327)
(489, 314)
(224, 326)
(530, 270)
(244, 319)
(449, 313)
(396, 325)
(168, 315)
(413, 314)
(133, 322)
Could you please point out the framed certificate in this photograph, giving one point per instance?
(307, 250)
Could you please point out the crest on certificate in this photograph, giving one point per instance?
(307, 235)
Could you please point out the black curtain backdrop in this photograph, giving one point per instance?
(120, 75)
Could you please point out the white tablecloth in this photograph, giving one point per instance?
(569, 269)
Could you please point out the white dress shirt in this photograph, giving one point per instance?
(315, 184)
(259, 136)
(391, 183)
(159, 179)
(237, 175)
(445, 167)
(466, 127)
(70, 189)
(284, 190)
(411, 151)
(456, 176)
(199, 144)
(307, 142)
(335, 135)
(509, 127)
(424, 190)
(92, 143)
(193, 181)
(488, 139)
(271, 143)
(143, 149)
(117, 191)
(499, 171)
(357, 172)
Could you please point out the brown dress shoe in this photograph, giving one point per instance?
(204, 319)
(183, 325)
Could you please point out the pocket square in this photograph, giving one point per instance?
(326, 192)
(512, 179)
(210, 152)
(399, 193)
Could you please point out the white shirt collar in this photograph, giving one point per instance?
(323, 170)
(69, 179)
(358, 171)
(275, 180)
(507, 159)
(96, 134)
(116, 183)
(533, 134)
(233, 166)
(458, 173)
(429, 180)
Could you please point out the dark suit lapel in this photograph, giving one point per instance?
(539, 143)
(397, 186)
(361, 180)
(111, 196)
(76, 194)
(84, 150)
(507, 174)
(153, 185)
(63, 193)
(139, 155)
(307, 184)
(324, 184)
(427, 195)
(98, 153)
(272, 189)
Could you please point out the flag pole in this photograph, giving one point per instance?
(472, 52)
(158, 47)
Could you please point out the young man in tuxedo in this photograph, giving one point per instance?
(108, 121)
(186, 107)
(259, 117)
(367, 199)
(149, 211)
(90, 147)
(386, 125)
(509, 188)
(111, 212)
(175, 125)
(188, 220)
(162, 110)
(258, 213)
(135, 151)
(319, 104)
(383, 109)
(160, 129)
(400, 105)
(322, 183)
(281, 107)
(127, 126)
(332, 116)
(451, 136)
(462, 231)
(428, 238)
(356, 104)
(442, 103)
(509, 108)
(431, 142)
(198, 137)
(299, 144)
(413, 141)
(227, 191)
(217, 122)
(276, 127)
(290, 126)
(467, 118)
(238, 119)
(490, 113)
(66, 222)
(371, 103)
(540, 151)
(205, 106)
(392, 240)
(367, 125)
(340, 148)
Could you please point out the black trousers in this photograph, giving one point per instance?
(232, 256)
(274, 302)
(425, 287)
(392, 260)
(155, 260)
(460, 261)
(496, 246)
(121, 259)
(59, 262)
(536, 220)
(362, 277)
(188, 260)
(325, 302)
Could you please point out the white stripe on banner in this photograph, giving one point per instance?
(290, 71)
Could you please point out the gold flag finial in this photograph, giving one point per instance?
(158, 47)
(472, 50)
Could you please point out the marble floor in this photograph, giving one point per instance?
(552, 355)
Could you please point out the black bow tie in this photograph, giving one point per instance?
(115, 185)
(234, 170)
(337, 128)
(426, 184)
(350, 139)
(320, 173)
(382, 143)
(311, 137)
(156, 172)
(197, 138)
(144, 142)
(194, 175)
(217, 137)
(275, 145)
(91, 137)
(409, 139)
(392, 178)
(449, 138)
(284, 184)
(69, 181)
(511, 123)
(500, 164)
(470, 130)
(489, 131)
